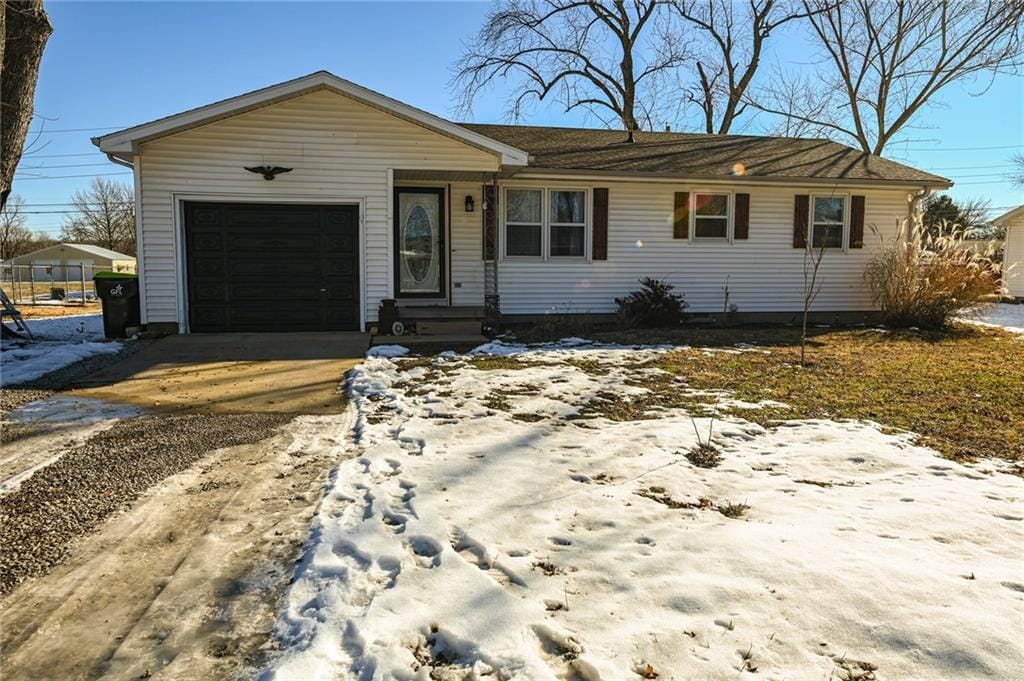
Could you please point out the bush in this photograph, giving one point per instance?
(654, 305)
(924, 279)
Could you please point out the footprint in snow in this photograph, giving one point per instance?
(560, 541)
(426, 550)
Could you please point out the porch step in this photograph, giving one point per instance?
(447, 327)
(416, 313)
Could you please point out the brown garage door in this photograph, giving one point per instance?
(272, 267)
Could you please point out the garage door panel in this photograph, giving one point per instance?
(254, 267)
(290, 244)
(255, 216)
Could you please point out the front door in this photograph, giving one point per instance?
(419, 243)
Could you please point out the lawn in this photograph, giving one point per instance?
(962, 391)
(549, 512)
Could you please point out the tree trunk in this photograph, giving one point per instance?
(26, 28)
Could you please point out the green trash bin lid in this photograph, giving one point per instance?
(115, 275)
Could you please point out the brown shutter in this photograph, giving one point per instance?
(490, 221)
(856, 222)
(801, 210)
(599, 245)
(681, 217)
(741, 225)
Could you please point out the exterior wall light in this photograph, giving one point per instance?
(470, 204)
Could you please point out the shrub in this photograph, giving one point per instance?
(654, 305)
(921, 279)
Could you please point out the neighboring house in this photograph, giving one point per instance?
(369, 198)
(65, 262)
(1013, 251)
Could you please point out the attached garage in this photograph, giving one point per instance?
(271, 267)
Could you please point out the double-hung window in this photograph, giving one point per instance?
(828, 219)
(524, 222)
(545, 223)
(710, 215)
(568, 223)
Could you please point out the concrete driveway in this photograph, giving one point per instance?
(288, 373)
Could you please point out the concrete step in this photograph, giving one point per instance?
(448, 327)
(415, 313)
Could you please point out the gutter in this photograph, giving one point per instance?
(120, 161)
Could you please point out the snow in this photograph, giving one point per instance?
(387, 351)
(58, 342)
(459, 541)
(1005, 315)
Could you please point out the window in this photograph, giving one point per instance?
(546, 223)
(568, 223)
(523, 222)
(827, 221)
(711, 216)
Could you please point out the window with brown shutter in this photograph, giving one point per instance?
(741, 223)
(490, 221)
(801, 212)
(856, 222)
(681, 216)
(599, 244)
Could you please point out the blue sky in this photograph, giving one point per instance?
(111, 65)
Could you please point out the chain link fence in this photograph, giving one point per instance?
(68, 284)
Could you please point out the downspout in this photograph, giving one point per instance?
(138, 231)
(120, 161)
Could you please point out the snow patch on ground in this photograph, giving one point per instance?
(59, 341)
(1005, 315)
(464, 541)
(387, 351)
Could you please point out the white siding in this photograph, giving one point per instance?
(339, 150)
(1013, 259)
(467, 246)
(764, 271)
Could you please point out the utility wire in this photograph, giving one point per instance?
(64, 177)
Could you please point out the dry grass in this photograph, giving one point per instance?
(962, 389)
(47, 311)
(924, 279)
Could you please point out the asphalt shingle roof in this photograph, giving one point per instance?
(697, 155)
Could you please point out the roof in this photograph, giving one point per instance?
(124, 142)
(667, 154)
(1017, 212)
(88, 249)
(692, 155)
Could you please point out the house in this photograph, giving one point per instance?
(304, 204)
(1013, 251)
(65, 262)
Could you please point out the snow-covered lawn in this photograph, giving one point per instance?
(1005, 315)
(59, 341)
(493, 525)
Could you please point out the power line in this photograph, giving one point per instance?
(64, 177)
(44, 131)
(989, 165)
(73, 165)
(31, 155)
(1008, 146)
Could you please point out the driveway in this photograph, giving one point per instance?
(155, 511)
(238, 373)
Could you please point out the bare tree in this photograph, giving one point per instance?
(604, 57)
(812, 287)
(106, 216)
(25, 28)
(735, 36)
(15, 236)
(1017, 174)
(884, 61)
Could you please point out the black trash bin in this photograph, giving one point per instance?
(120, 295)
